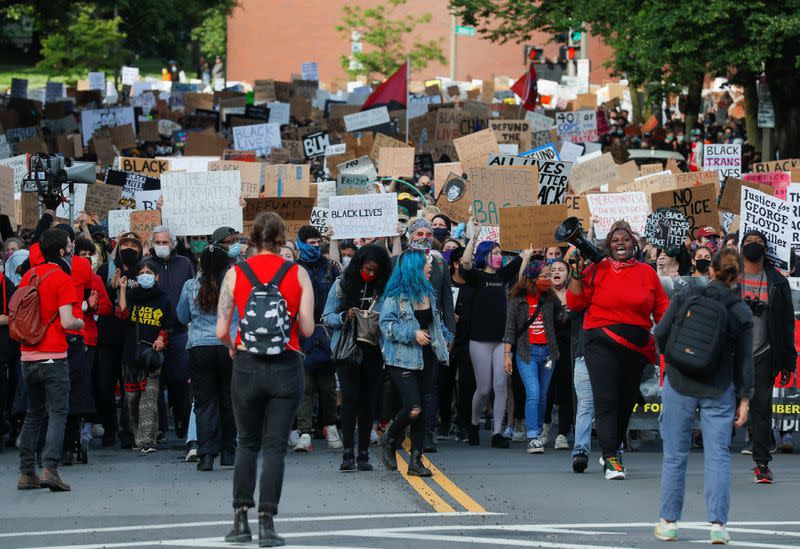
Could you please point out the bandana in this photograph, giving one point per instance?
(619, 266)
(423, 244)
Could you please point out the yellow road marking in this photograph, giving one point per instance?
(439, 505)
(448, 485)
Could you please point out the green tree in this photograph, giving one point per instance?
(212, 34)
(86, 43)
(386, 34)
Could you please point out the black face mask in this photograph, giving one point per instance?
(702, 265)
(128, 256)
(753, 251)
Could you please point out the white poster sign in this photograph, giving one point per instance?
(325, 190)
(5, 148)
(19, 164)
(259, 137)
(726, 159)
(607, 208)
(129, 75)
(577, 126)
(366, 119)
(119, 221)
(80, 202)
(93, 120)
(309, 70)
(793, 199)
(188, 163)
(199, 203)
(319, 219)
(772, 216)
(97, 81)
(363, 215)
(279, 113)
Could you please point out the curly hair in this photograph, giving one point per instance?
(351, 282)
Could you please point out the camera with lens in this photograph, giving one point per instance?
(757, 307)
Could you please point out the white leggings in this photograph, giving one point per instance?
(487, 361)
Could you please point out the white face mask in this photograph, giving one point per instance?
(95, 261)
(162, 251)
(346, 260)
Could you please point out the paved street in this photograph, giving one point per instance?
(479, 497)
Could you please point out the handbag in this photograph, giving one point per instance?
(368, 329)
(347, 350)
(147, 358)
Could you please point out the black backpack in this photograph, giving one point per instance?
(266, 324)
(700, 334)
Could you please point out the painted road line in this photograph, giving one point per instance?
(486, 542)
(448, 485)
(433, 499)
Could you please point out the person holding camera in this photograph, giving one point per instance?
(769, 297)
(621, 297)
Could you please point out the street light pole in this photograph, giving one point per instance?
(452, 47)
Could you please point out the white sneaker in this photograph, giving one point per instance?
(520, 433)
(191, 455)
(719, 535)
(332, 436)
(98, 430)
(536, 446)
(561, 443)
(508, 433)
(303, 444)
(373, 436)
(294, 437)
(545, 433)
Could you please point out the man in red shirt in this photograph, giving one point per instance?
(44, 365)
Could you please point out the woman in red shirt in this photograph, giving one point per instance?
(264, 386)
(531, 316)
(622, 298)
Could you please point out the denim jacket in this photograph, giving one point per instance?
(203, 327)
(399, 326)
(335, 313)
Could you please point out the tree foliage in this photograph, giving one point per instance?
(211, 35)
(386, 34)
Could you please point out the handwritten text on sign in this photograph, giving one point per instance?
(258, 137)
(365, 215)
(198, 203)
(726, 159)
(771, 216)
(495, 188)
(578, 127)
(608, 208)
(698, 204)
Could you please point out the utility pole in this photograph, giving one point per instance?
(584, 54)
(453, 47)
(570, 62)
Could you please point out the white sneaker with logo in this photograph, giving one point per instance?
(303, 444)
(332, 436)
(561, 443)
(294, 437)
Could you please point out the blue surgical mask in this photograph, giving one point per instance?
(146, 280)
(308, 253)
(234, 250)
(551, 260)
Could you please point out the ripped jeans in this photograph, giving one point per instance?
(414, 388)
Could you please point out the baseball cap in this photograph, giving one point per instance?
(222, 233)
(706, 231)
(129, 237)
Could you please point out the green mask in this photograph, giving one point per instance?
(197, 246)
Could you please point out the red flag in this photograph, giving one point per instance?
(526, 88)
(393, 91)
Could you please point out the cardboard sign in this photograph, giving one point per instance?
(793, 199)
(731, 198)
(608, 208)
(257, 137)
(93, 120)
(5, 148)
(366, 215)
(132, 183)
(148, 166)
(695, 179)
(454, 198)
(786, 165)
(779, 181)
(577, 126)
(7, 205)
(653, 183)
(205, 143)
(285, 180)
(495, 188)
(101, 198)
(512, 131)
(771, 216)
(726, 159)
(531, 225)
(294, 211)
(29, 211)
(325, 190)
(359, 166)
(382, 140)
(366, 119)
(119, 221)
(348, 184)
(577, 207)
(649, 169)
(197, 203)
(319, 220)
(251, 173)
(264, 91)
(143, 223)
(19, 164)
(666, 228)
(396, 162)
(591, 174)
(314, 145)
(474, 149)
(698, 204)
(547, 151)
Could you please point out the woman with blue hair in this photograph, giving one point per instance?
(490, 280)
(415, 339)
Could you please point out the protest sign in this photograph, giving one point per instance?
(454, 198)
(314, 145)
(577, 126)
(698, 204)
(382, 140)
(695, 179)
(53, 91)
(101, 198)
(148, 166)
(251, 173)
(474, 149)
(264, 91)
(199, 203)
(396, 162)
(258, 137)
(358, 216)
(279, 113)
(731, 194)
(771, 216)
(337, 148)
(325, 190)
(511, 160)
(131, 183)
(143, 222)
(5, 148)
(666, 228)
(94, 119)
(123, 136)
(347, 184)
(649, 169)
(366, 119)
(531, 225)
(359, 166)
(776, 165)
(539, 121)
(553, 178)
(319, 219)
(19, 164)
(29, 210)
(608, 208)
(512, 131)
(119, 221)
(725, 158)
(129, 75)
(7, 205)
(779, 181)
(283, 180)
(495, 188)
(652, 183)
(97, 81)
(592, 173)
(793, 199)
(188, 163)
(19, 87)
(295, 212)
(577, 207)
(547, 151)
(309, 70)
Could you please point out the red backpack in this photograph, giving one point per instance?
(25, 324)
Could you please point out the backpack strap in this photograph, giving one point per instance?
(251, 276)
(276, 280)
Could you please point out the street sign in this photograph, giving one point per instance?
(465, 31)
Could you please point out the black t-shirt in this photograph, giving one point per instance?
(462, 305)
(151, 310)
(490, 300)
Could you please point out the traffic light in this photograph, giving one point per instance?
(533, 54)
(576, 37)
(571, 53)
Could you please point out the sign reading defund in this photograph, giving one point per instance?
(771, 216)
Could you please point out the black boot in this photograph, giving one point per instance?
(348, 461)
(473, 435)
(415, 467)
(205, 463)
(362, 461)
(499, 441)
(266, 532)
(429, 444)
(240, 531)
(227, 457)
(388, 455)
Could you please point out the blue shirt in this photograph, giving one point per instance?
(202, 325)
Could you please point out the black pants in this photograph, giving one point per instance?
(446, 385)
(108, 374)
(615, 372)
(266, 393)
(210, 368)
(761, 408)
(320, 382)
(414, 389)
(518, 392)
(461, 362)
(48, 387)
(560, 391)
(174, 380)
(359, 386)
